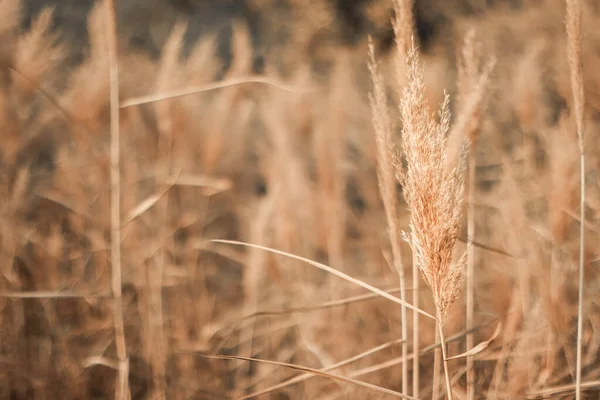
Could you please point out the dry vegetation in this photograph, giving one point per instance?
(302, 229)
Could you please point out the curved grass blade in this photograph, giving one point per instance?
(331, 271)
(316, 372)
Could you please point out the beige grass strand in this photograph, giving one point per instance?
(416, 341)
(470, 300)
(440, 326)
(121, 388)
(573, 25)
(467, 68)
(437, 360)
(387, 187)
(404, 34)
(330, 270)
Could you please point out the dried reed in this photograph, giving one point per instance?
(122, 387)
(467, 72)
(470, 91)
(386, 156)
(404, 33)
(573, 24)
(434, 195)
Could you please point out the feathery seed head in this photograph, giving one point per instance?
(433, 193)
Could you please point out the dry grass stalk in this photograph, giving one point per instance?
(121, 387)
(322, 373)
(306, 376)
(573, 25)
(234, 81)
(332, 271)
(386, 160)
(404, 34)
(467, 71)
(468, 81)
(416, 328)
(434, 195)
(437, 360)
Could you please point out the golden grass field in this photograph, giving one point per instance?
(293, 199)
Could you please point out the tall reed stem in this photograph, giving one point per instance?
(415, 301)
(581, 279)
(121, 388)
(445, 358)
(404, 320)
(573, 25)
(435, 391)
(387, 187)
(470, 273)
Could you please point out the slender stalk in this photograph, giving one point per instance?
(404, 37)
(415, 300)
(404, 320)
(437, 358)
(387, 187)
(581, 279)
(573, 26)
(443, 346)
(159, 346)
(470, 273)
(159, 349)
(121, 388)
